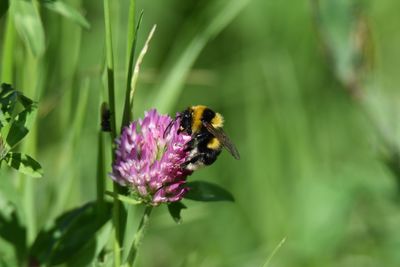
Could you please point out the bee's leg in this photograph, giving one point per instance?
(195, 140)
(190, 145)
(204, 158)
(193, 160)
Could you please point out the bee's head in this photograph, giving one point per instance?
(186, 121)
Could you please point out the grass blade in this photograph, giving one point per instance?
(128, 107)
(7, 66)
(117, 209)
(29, 25)
(67, 11)
(274, 252)
(171, 87)
(139, 60)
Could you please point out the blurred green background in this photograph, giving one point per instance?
(309, 92)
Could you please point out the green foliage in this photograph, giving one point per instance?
(183, 59)
(69, 233)
(175, 209)
(206, 191)
(13, 248)
(20, 126)
(3, 7)
(12, 231)
(67, 11)
(14, 126)
(122, 198)
(24, 164)
(90, 254)
(29, 25)
(128, 109)
(309, 93)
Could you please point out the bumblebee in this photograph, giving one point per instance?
(208, 137)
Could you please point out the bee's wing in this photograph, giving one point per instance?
(223, 138)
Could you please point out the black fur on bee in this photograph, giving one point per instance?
(208, 137)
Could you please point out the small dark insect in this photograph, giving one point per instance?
(105, 118)
(208, 137)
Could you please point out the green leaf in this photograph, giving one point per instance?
(89, 254)
(8, 257)
(12, 230)
(20, 126)
(9, 96)
(24, 164)
(26, 102)
(10, 194)
(13, 128)
(175, 209)
(205, 191)
(8, 99)
(122, 198)
(182, 59)
(29, 25)
(70, 233)
(5, 90)
(3, 7)
(67, 11)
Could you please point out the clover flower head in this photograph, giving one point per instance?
(148, 160)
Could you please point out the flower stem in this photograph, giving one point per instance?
(8, 55)
(117, 232)
(144, 222)
(32, 86)
(131, 45)
(111, 100)
(110, 67)
(100, 185)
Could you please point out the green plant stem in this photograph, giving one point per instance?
(110, 67)
(101, 174)
(7, 63)
(131, 45)
(117, 232)
(267, 262)
(111, 102)
(27, 185)
(32, 86)
(131, 29)
(144, 222)
(29, 190)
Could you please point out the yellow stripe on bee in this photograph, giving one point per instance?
(217, 121)
(214, 144)
(196, 118)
